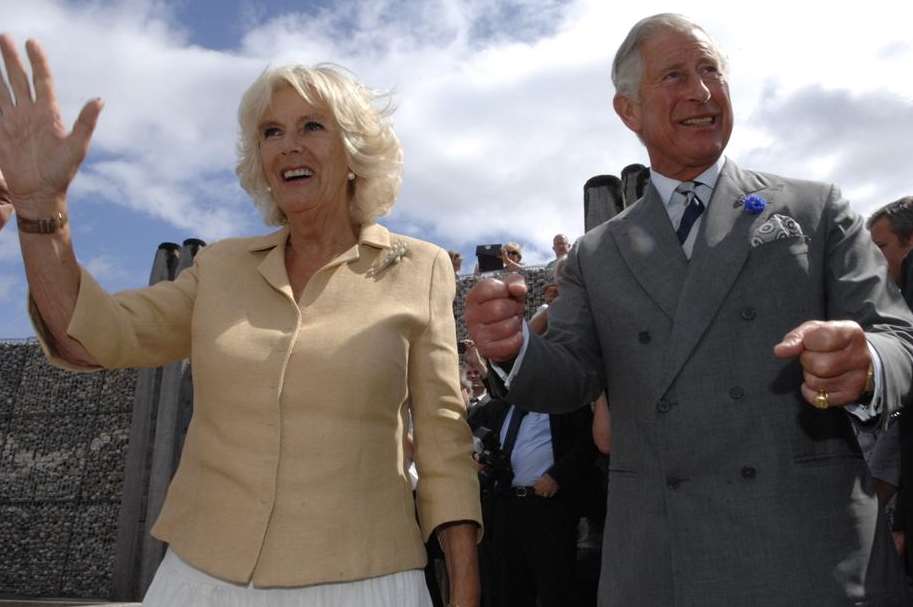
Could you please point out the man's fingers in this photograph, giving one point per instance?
(792, 343)
(18, 79)
(486, 289)
(516, 286)
(834, 363)
(818, 336)
(835, 397)
(832, 336)
(505, 349)
(41, 73)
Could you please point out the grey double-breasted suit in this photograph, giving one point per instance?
(726, 488)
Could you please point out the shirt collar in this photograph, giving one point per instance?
(665, 186)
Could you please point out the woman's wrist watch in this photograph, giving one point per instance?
(45, 225)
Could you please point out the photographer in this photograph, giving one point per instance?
(533, 465)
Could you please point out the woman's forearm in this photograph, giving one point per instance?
(458, 541)
(53, 277)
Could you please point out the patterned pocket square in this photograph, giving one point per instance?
(777, 227)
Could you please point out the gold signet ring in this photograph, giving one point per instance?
(821, 400)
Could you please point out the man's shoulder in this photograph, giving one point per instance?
(773, 180)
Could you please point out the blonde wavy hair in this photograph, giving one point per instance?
(363, 115)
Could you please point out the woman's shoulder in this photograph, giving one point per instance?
(243, 245)
(422, 249)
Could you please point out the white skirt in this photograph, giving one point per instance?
(177, 583)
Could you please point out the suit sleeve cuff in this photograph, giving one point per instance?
(868, 412)
(504, 375)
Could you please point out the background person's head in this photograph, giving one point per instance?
(512, 253)
(370, 149)
(891, 228)
(561, 245)
(672, 91)
(456, 260)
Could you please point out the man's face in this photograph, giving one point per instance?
(683, 113)
(561, 245)
(893, 249)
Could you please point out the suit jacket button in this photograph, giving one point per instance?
(749, 313)
(673, 482)
(749, 472)
(644, 337)
(736, 392)
(663, 406)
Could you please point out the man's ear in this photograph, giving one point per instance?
(628, 110)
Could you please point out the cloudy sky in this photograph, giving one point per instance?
(504, 109)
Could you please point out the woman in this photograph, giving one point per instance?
(512, 256)
(305, 344)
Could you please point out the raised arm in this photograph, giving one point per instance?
(38, 159)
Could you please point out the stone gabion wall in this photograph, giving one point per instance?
(63, 442)
(536, 279)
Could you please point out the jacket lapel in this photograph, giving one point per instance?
(272, 268)
(651, 250)
(720, 252)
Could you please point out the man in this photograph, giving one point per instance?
(891, 228)
(561, 245)
(534, 508)
(735, 476)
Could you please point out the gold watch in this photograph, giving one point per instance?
(45, 225)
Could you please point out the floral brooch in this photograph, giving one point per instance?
(391, 256)
(752, 204)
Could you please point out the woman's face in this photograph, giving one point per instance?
(302, 155)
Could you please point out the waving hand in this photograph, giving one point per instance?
(38, 157)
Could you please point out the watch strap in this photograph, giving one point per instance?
(45, 225)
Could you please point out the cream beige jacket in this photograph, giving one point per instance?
(292, 471)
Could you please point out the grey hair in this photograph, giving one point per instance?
(628, 66)
(899, 215)
(372, 149)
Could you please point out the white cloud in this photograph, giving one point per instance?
(106, 268)
(8, 287)
(504, 107)
(9, 242)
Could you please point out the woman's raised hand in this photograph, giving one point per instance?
(6, 209)
(38, 157)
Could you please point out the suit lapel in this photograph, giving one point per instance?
(720, 252)
(651, 250)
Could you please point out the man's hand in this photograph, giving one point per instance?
(494, 316)
(835, 358)
(546, 486)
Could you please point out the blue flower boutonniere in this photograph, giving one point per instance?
(753, 204)
(390, 257)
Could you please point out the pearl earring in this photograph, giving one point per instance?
(350, 176)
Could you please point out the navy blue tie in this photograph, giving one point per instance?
(693, 209)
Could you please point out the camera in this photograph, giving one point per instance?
(496, 471)
(490, 259)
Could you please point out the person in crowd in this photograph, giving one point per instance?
(457, 260)
(305, 344)
(561, 245)
(6, 208)
(538, 323)
(708, 312)
(891, 228)
(536, 503)
(512, 255)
